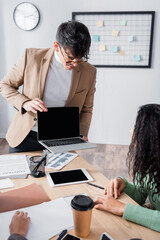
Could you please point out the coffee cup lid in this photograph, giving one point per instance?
(82, 203)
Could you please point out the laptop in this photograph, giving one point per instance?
(59, 130)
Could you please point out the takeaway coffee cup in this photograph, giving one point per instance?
(82, 212)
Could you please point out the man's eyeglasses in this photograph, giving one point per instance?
(73, 61)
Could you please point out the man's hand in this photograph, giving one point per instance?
(85, 138)
(35, 105)
(109, 204)
(115, 187)
(19, 223)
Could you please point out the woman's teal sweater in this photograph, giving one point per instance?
(143, 216)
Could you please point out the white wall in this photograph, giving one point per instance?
(119, 91)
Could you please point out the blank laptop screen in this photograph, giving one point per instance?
(58, 122)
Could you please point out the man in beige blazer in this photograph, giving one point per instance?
(39, 71)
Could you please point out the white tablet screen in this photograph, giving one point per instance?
(106, 236)
(70, 176)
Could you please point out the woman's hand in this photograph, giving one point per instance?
(19, 223)
(35, 105)
(109, 204)
(115, 187)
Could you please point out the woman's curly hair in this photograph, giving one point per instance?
(144, 151)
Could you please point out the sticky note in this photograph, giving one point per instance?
(100, 23)
(114, 49)
(123, 23)
(137, 58)
(6, 183)
(102, 47)
(115, 33)
(96, 38)
(121, 52)
(130, 38)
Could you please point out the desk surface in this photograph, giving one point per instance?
(117, 227)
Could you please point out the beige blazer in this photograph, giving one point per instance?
(31, 72)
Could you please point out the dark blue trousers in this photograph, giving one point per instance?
(29, 144)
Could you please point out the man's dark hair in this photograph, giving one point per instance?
(74, 36)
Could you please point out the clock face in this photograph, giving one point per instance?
(26, 16)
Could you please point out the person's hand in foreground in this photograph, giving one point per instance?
(19, 223)
(35, 105)
(115, 187)
(109, 204)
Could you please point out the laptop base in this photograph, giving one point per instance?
(67, 148)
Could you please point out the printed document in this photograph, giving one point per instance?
(58, 160)
(11, 165)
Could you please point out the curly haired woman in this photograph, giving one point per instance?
(143, 161)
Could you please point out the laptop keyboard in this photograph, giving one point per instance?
(64, 142)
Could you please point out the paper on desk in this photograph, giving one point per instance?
(59, 160)
(6, 183)
(13, 165)
(22, 197)
(47, 220)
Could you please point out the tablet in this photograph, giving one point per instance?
(68, 177)
(105, 236)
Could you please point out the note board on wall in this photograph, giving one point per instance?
(119, 39)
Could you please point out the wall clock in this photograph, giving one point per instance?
(26, 16)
